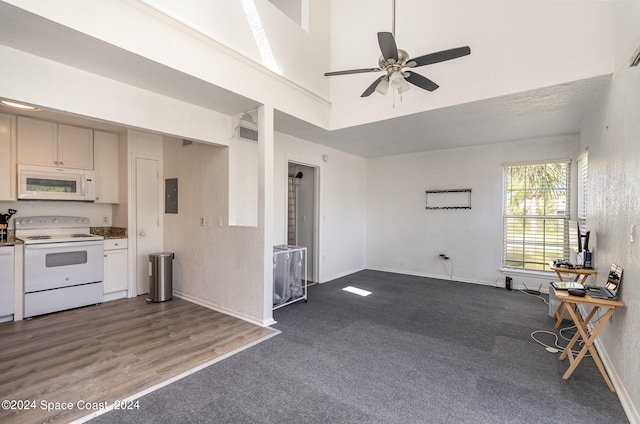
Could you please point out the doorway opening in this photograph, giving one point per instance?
(302, 213)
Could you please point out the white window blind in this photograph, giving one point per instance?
(583, 166)
(536, 215)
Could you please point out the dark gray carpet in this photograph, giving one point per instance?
(417, 350)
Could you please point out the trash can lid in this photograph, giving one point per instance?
(161, 254)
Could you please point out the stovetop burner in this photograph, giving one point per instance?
(54, 229)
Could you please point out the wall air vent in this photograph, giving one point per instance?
(246, 133)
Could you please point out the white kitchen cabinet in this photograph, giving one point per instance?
(75, 147)
(106, 150)
(37, 142)
(115, 283)
(6, 283)
(7, 157)
(50, 144)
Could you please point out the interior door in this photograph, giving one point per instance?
(148, 229)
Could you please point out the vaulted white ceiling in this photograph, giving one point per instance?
(534, 69)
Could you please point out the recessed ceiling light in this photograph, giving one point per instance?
(18, 105)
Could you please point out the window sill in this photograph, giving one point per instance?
(527, 273)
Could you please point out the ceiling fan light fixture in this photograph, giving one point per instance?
(404, 86)
(383, 86)
(398, 83)
(395, 80)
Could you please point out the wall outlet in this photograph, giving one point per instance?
(202, 221)
(105, 219)
(507, 282)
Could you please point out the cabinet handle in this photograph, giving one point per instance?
(61, 163)
(105, 255)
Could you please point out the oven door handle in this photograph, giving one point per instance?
(45, 246)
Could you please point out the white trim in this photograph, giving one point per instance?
(132, 237)
(627, 403)
(537, 162)
(344, 274)
(289, 159)
(528, 273)
(454, 279)
(209, 305)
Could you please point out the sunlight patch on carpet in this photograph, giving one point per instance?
(357, 291)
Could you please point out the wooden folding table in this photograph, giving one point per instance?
(571, 304)
(581, 276)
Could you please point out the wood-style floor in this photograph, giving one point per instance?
(103, 353)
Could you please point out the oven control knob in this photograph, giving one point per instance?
(55, 220)
(29, 221)
(78, 221)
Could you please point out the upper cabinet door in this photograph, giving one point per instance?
(50, 144)
(7, 157)
(75, 147)
(37, 142)
(106, 158)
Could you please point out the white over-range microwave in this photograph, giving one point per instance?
(47, 183)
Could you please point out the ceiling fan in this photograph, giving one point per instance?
(394, 62)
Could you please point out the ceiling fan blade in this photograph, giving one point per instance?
(420, 81)
(352, 71)
(388, 46)
(372, 87)
(428, 59)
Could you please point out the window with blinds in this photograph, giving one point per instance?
(536, 215)
(583, 165)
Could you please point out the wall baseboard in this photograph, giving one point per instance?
(209, 305)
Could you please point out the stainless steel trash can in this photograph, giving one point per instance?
(160, 277)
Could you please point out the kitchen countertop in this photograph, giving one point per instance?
(10, 241)
(110, 232)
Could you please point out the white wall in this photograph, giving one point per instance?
(207, 52)
(216, 265)
(342, 203)
(403, 236)
(611, 132)
(58, 87)
(243, 182)
(259, 30)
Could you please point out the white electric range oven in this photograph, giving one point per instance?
(63, 263)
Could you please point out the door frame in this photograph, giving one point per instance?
(132, 239)
(291, 161)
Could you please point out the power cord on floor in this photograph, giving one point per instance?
(444, 259)
(534, 294)
(556, 348)
(530, 291)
